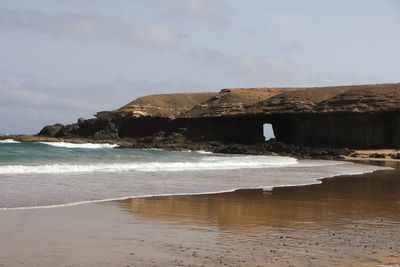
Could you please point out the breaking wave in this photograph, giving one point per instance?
(204, 152)
(209, 163)
(72, 145)
(9, 141)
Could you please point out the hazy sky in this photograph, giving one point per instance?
(60, 60)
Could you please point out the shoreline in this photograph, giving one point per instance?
(342, 221)
(370, 161)
(315, 181)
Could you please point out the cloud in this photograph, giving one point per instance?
(212, 12)
(26, 105)
(250, 70)
(259, 70)
(39, 95)
(87, 27)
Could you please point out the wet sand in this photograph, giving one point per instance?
(345, 221)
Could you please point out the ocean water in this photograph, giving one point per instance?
(46, 175)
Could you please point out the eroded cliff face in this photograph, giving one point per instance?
(365, 116)
(350, 130)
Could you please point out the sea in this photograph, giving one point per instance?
(50, 175)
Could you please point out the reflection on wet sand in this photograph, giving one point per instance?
(346, 221)
(335, 201)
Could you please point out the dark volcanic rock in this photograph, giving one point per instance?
(70, 130)
(51, 130)
(395, 156)
(279, 148)
(162, 138)
(178, 142)
(105, 134)
(377, 156)
(97, 128)
(81, 121)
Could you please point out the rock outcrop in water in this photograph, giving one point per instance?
(363, 116)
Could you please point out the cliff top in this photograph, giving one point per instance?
(231, 101)
(241, 101)
(354, 98)
(163, 105)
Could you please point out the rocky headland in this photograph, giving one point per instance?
(318, 122)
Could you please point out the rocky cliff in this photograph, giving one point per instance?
(361, 116)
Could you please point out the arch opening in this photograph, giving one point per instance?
(268, 131)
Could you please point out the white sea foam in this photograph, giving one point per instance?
(72, 145)
(8, 141)
(204, 152)
(208, 163)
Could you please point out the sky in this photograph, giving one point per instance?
(60, 60)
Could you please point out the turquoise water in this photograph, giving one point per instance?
(38, 153)
(38, 175)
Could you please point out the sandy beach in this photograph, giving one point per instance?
(345, 221)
